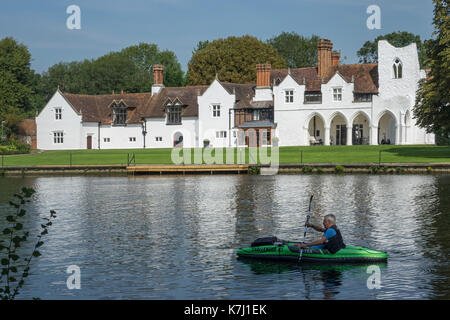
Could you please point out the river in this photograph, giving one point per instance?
(175, 237)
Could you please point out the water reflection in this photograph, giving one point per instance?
(175, 237)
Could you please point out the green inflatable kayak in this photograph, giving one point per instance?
(275, 249)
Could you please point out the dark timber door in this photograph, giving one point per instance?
(89, 142)
(341, 134)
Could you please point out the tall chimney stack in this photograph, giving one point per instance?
(158, 74)
(158, 78)
(335, 58)
(324, 57)
(263, 75)
(263, 91)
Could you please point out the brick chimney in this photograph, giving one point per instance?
(157, 78)
(324, 57)
(158, 74)
(335, 58)
(263, 91)
(263, 75)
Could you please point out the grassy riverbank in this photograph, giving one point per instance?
(313, 154)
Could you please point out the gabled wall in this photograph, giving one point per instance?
(70, 125)
(406, 86)
(288, 116)
(209, 125)
(399, 95)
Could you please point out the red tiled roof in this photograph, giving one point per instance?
(244, 94)
(364, 75)
(186, 95)
(96, 108)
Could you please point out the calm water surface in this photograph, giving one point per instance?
(175, 237)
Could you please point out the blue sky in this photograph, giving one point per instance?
(178, 25)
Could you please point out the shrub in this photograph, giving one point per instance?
(339, 169)
(319, 170)
(399, 170)
(374, 169)
(254, 170)
(307, 169)
(14, 147)
(429, 170)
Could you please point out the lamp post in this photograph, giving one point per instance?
(3, 122)
(144, 130)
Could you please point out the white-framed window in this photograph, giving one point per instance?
(398, 69)
(58, 137)
(337, 94)
(106, 139)
(58, 113)
(255, 115)
(289, 96)
(132, 139)
(158, 139)
(216, 110)
(221, 134)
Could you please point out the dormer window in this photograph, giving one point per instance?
(173, 111)
(398, 69)
(119, 113)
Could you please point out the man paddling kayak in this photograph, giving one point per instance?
(332, 238)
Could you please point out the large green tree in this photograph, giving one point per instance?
(15, 77)
(297, 50)
(129, 69)
(233, 59)
(18, 84)
(432, 109)
(369, 51)
(200, 45)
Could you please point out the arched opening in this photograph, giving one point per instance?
(178, 140)
(316, 130)
(386, 129)
(338, 131)
(360, 131)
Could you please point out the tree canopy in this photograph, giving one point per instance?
(432, 109)
(18, 85)
(129, 69)
(233, 59)
(15, 77)
(369, 51)
(298, 51)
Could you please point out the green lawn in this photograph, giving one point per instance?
(311, 154)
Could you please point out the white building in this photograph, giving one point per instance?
(330, 104)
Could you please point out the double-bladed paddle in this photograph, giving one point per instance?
(306, 227)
